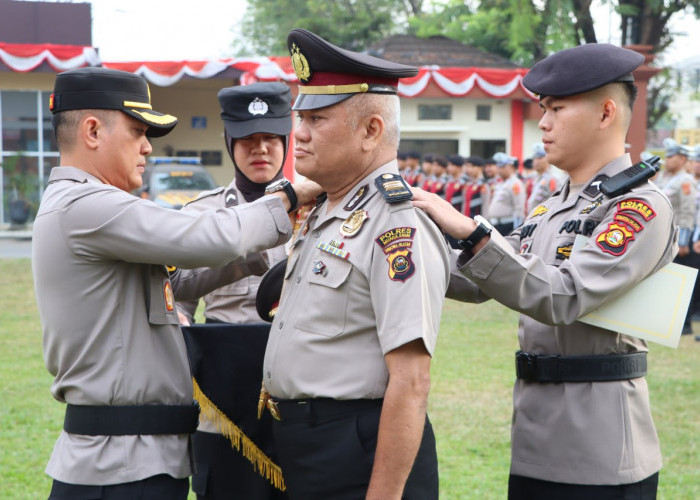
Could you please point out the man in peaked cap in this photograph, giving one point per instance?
(111, 335)
(227, 352)
(582, 425)
(348, 359)
(506, 208)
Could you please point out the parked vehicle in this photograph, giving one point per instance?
(172, 182)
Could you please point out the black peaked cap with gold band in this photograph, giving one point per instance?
(581, 69)
(103, 88)
(328, 74)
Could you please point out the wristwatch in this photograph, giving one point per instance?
(482, 230)
(284, 184)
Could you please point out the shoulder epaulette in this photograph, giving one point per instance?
(393, 188)
(206, 194)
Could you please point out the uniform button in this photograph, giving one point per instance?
(269, 375)
(317, 234)
(298, 278)
(281, 324)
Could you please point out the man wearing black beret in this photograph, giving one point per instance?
(111, 335)
(347, 364)
(582, 425)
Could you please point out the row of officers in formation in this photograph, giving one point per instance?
(497, 189)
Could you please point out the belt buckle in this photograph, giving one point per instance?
(526, 366)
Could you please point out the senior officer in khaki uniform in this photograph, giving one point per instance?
(110, 326)
(582, 424)
(347, 363)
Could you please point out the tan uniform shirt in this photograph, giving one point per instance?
(111, 334)
(544, 186)
(508, 202)
(581, 433)
(681, 191)
(349, 300)
(234, 302)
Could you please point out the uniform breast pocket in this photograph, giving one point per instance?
(161, 310)
(327, 287)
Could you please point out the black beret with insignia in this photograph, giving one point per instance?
(260, 107)
(103, 88)
(328, 74)
(581, 69)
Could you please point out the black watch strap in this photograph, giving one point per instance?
(481, 231)
(292, 195)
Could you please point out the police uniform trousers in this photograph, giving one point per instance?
(160, 487)
(527, 488)
(326, 451)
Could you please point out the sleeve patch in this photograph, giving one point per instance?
(636, 206)
(633, 223)
(614, 239)
(401, 266)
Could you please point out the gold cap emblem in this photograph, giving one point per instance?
(300, 64)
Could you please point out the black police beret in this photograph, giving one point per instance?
(475, 160)
(456, 160)
(103, 88)
(270, 291)
(328, 74)
(580, 69)
(414, 154)
(259, 107)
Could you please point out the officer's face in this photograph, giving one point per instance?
(326, 146)
(259, 156)
(123, 150)
(675, 163)
(540, 164)
(569, 130)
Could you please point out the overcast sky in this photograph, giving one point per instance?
(166, 30)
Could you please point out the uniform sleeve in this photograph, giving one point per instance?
(191, 284)
(408, 279)
(613, 260)
(112, 224)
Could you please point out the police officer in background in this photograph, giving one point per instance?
(582, 426)
(257, 122)
(347, 364)
(474, 185)
(546, 183)
(110, 326)
(507, 204)
(679, 186)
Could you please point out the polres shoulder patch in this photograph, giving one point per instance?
(393, 188)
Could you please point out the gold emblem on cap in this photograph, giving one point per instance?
(300, 64)
(351, 226)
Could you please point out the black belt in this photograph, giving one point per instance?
(131, 420)
(310, 409)
(603, 368)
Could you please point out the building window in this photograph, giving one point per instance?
(28, 148)
(486, 148)
(434, 111)
(442, 147)
(483, 113)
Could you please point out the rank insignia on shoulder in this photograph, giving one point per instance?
(357, 197)
(352, 225)
(230, 198)
(170, 269)
(393, 188)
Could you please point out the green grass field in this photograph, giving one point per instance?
(470, 402)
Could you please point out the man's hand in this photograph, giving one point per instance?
(683, 251)
(306, 191)
(444, 214)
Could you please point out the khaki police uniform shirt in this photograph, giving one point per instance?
(680, 189)
(226, 299)
(349, 300)
(508, 202)
(110, 328)
(582, 433)
(544, 186)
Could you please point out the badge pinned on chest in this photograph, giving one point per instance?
(352, 225)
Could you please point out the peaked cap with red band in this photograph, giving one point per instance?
(328, 74)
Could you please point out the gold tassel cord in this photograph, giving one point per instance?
(261, 462)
